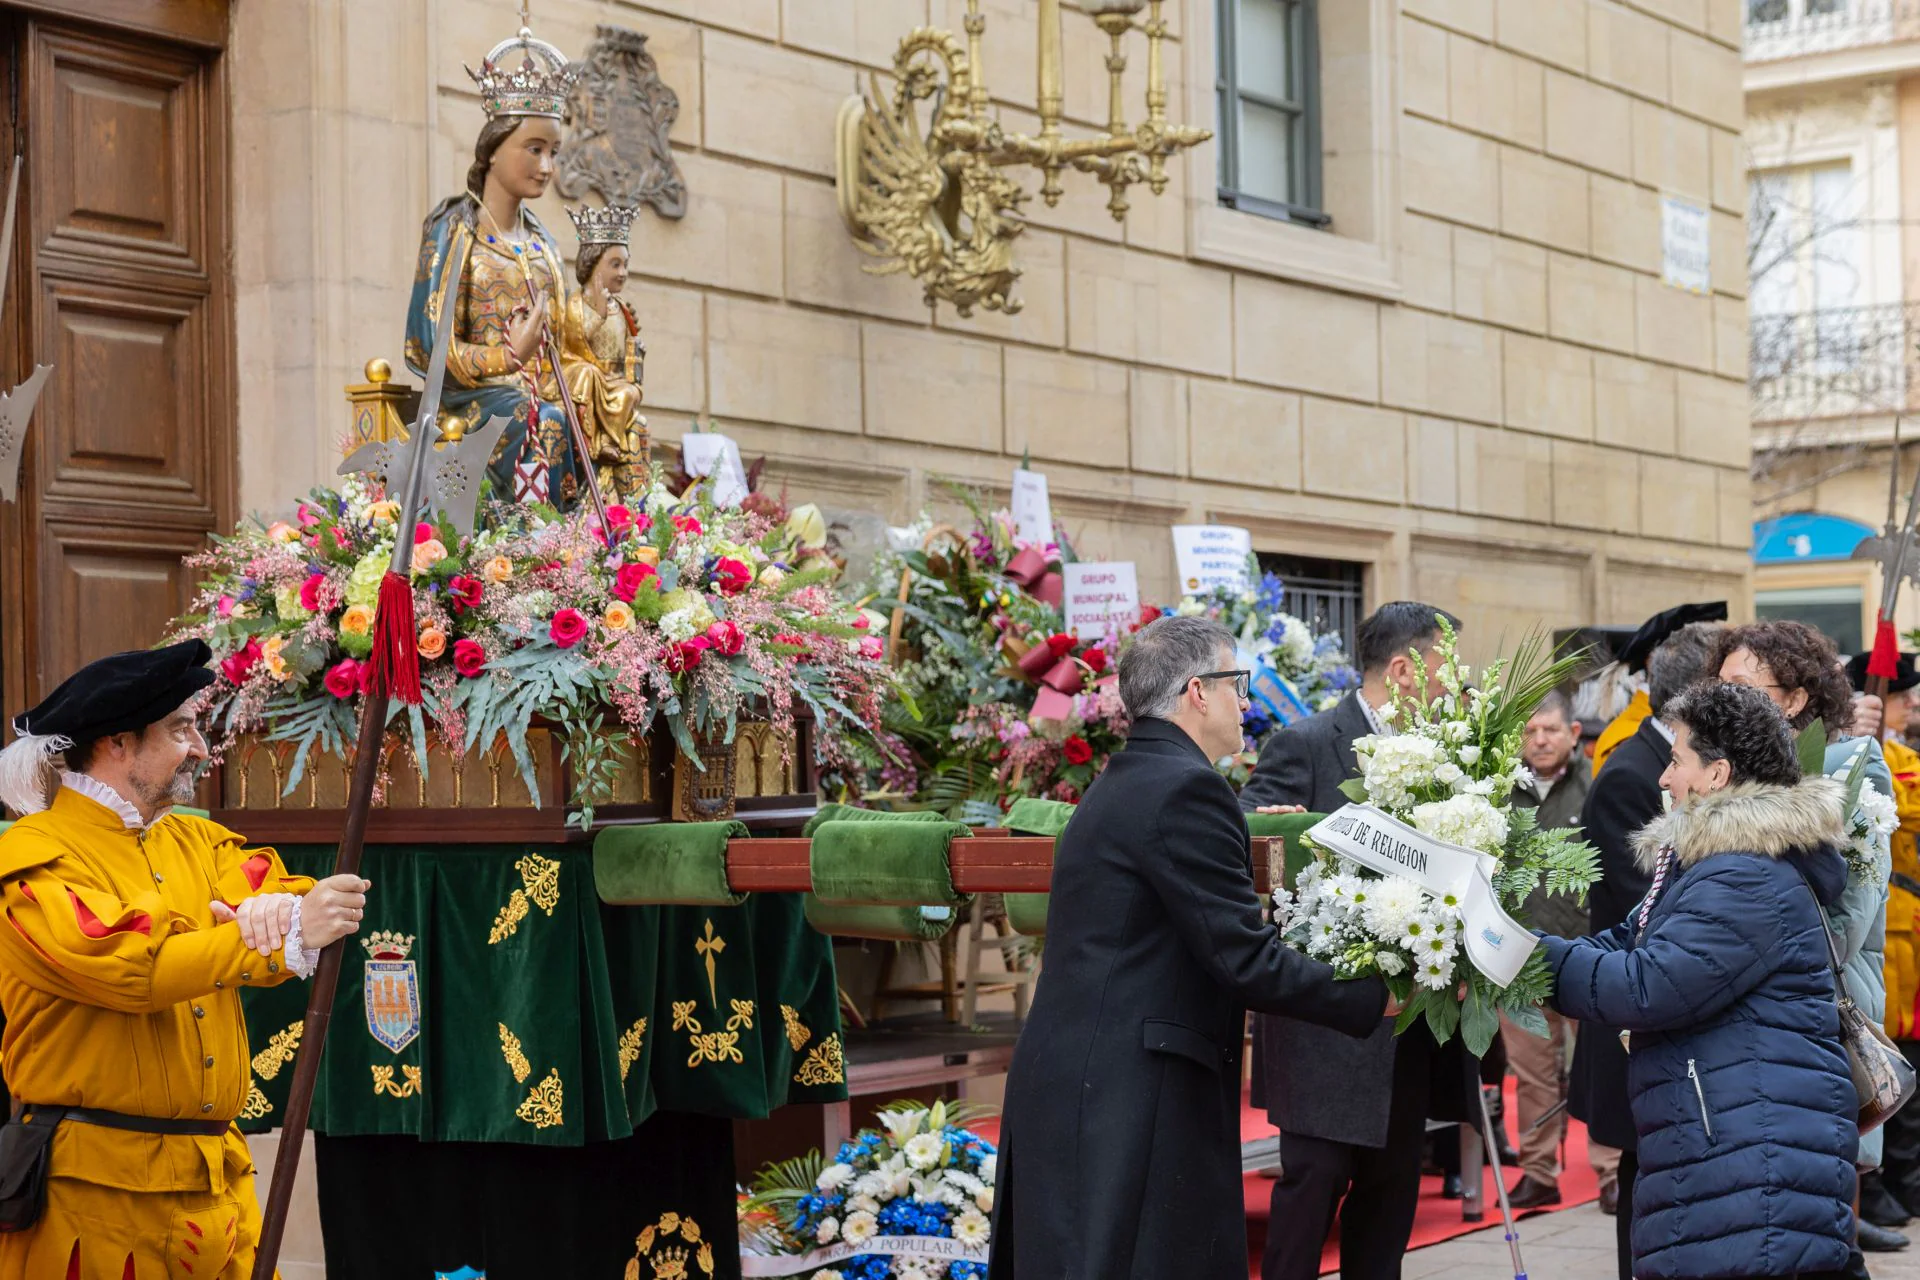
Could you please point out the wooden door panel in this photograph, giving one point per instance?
(122, 418)
(112, 587)
(125, 174)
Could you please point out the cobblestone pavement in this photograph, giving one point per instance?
(1576, 1244)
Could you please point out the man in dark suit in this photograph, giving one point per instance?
(1625, 797)
(1120, 1146)
(1351, 1113)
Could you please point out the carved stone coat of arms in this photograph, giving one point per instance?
(622, 112)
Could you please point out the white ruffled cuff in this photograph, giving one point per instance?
(299, 959)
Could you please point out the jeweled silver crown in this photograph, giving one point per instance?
(528, 89)
(608, 225)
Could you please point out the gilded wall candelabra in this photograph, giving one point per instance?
(935, 200)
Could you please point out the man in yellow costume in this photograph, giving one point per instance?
(129, 931)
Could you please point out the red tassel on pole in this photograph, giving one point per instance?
(394, 668)
(1885, 660)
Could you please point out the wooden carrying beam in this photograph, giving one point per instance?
(981, 864)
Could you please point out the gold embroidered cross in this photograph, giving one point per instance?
(709, 947)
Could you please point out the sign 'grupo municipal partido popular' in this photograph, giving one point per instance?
(1496, 943)
(1210, 556)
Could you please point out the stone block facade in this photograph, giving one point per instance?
(1474, 383)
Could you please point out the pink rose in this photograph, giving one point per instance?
(726, 637)
(310, 592)
(343, 678)
(631, 577)
(224, 606)
(469, 658)
(687, 525)
(568, 628)
(872, 648)
(422, 532)
(306, 515)
(731, 576)
(466, 591)
(238, 665)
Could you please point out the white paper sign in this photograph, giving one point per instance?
(1102, 599)
(708, 453)
(1211, 555)
(1032, 514)
(1497, 944)
(1686, 251)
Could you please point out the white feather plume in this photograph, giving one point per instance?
(26, 770)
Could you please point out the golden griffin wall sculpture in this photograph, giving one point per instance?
(933, 199)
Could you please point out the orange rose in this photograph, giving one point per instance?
(497, 570)
(619, 616)
(433, 643)
(357, 621)
(645, 555)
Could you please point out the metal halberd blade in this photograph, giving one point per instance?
(16, 410)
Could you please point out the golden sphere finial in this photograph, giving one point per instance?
(379, 370)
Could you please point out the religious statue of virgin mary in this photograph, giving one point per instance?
(510, 289)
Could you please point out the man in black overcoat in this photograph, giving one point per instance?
(1351, 1113)
(1625, 797)
(1120, 1152)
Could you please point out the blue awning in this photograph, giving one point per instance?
(1806, 536)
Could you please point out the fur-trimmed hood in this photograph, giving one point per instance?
(1750, 817)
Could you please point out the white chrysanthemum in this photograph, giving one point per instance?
(1418, 932)
(1469, 820)
(971, 1228)
(923, 1150)
(988, 1167)
(1293, 649)
(1284, 908)
(833, 1177)
(860, 1227)
(827, 1230)
(1434, 976)
(863, 1204)
(1392, 904)
(1876, 812)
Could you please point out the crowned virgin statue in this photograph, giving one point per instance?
(508, 283)
(601, 355)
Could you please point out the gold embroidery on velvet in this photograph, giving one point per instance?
(541, 878)
(507, 923)
(669, 1261)
(256, 1104)
(797, 1033)
(683, 1016)
(742, 1019)
(709, 947)
(516, 1060)
(383, 1081)
(630, 1041)
(543, 1107)
(281, 1047)
(825, 1065)
(715, 1046)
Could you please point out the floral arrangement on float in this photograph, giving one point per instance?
(998, 700)
(1437, 792)
(911, 1200)
(676, 610)
(1296, 672)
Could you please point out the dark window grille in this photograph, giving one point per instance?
(1268, 91)
(1327, 595)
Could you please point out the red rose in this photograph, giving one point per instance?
(466, 591)
(1148, 613)
(687, 525)
(642, 522)
(631, 577)
(238, 665)
(568, 628)
(1061, 644)
(619, 517)
(343, 678)
(422, 532)
(1096, 660)
(1076, 750)
(685, 656)
(469, 658)
(310, 593)
(731, 576)
(726, 637)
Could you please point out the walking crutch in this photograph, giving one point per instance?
(1500, 1184)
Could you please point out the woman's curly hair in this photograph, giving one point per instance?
(1740, 725)
(1798, 658)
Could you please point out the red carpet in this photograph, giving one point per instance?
(1435, 1219)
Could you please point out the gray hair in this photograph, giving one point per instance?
(1555, 702)
(1683, 660)
(1164, 656)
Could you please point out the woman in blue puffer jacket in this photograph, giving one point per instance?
(1741, 1093)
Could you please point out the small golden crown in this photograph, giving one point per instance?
(387, 944)
(608, 225)
(528, 89)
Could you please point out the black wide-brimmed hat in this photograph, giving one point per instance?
(1655, 630)
(1857, 672)
(121, 693)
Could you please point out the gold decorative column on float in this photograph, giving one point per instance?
(932, 201)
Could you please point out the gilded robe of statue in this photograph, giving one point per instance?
(534, 461)
(122, 993)
(598, 360)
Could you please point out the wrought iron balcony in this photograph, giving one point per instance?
(1777, 29)
(1839, 362)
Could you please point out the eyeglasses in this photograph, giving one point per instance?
(1242, 681)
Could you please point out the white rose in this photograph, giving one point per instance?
(1469, 754)
(984, 1198)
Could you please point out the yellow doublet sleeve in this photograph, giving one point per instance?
(79, 942)
(240, 872)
